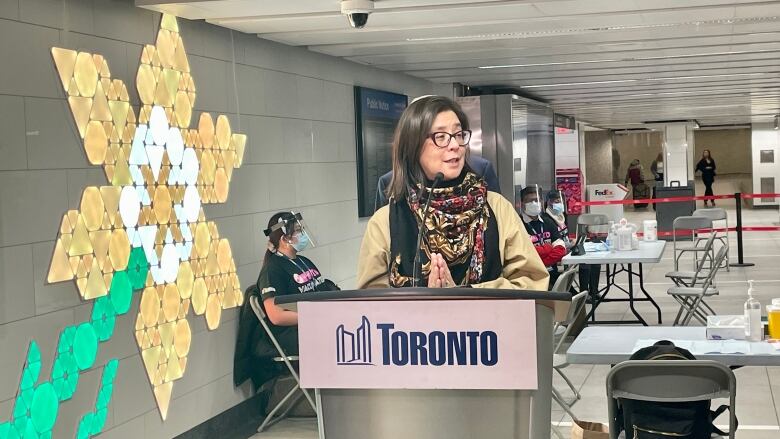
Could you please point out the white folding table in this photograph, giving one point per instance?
(612, 345)
(622, 262)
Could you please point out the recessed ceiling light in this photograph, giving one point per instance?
(543, 33)
(668, 78)
(646, 58)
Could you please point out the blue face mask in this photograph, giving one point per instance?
(303, 242)
(557, 208)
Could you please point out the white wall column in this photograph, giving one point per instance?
(678, 152)
(766, 166)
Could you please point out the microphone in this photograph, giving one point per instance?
(417, 268)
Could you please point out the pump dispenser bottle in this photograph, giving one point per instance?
(753, 328)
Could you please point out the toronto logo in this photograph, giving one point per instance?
(415, 348)
(354, 348)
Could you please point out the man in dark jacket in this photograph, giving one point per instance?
(480, 166)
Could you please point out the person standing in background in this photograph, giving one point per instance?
(707, 168)
(657, 168)
(635, 173)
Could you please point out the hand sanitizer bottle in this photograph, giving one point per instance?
(611, 240)
(753, 328)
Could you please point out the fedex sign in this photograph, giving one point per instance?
(483, 344)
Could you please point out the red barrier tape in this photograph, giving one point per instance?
(672, 199)
(717, 229)
(760, 196)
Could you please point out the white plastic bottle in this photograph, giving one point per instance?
(753, 328)
(611, 238)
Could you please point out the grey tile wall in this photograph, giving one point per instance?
(13, 148)
(296, 107)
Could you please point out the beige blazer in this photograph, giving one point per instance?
(523, 269)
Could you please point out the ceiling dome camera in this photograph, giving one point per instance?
(357, 11)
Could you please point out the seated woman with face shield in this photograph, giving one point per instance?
(284, 272)
(556, 212)
(471, 237)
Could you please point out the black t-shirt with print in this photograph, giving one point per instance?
(290, 276)
(543, 230)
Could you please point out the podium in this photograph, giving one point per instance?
(425, 382)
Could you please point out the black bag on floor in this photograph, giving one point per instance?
(664, 420)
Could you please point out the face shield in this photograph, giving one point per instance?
(532, 200)
(556, 202)
(292, 225)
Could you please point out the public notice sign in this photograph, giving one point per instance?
(452, 344)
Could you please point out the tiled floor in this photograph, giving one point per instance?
(757, 388)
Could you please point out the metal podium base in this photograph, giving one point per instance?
(429, 414)
(445, 413)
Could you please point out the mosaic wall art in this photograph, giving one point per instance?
(145, 232)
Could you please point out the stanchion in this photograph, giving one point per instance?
(740, 255)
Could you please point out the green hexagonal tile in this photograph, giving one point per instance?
(103, 318)
(28, 381)
(34, 353)
(29, 432)
(137, 268)
(20, 424)
(20, 408)
(84, 426)
(68, 361)
(109, 371)
(43, 411)
(121, 292)
(58, 384)
(85, 344)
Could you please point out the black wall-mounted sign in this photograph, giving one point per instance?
(376, 116)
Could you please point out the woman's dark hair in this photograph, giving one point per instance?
(277, 234)
(410, 135)
(709, 153)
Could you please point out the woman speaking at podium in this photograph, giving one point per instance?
(442, 227)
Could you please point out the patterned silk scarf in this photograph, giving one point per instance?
(455, 228)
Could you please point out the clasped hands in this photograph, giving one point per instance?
(440, 276)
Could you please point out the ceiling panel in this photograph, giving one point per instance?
(609, 63)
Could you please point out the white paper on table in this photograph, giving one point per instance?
(764, 348)
(735, 347)
(595, 247)
(707, 347)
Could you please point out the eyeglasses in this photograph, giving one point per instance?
(442, 139)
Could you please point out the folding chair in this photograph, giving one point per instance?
(693, 224)
(718, 214)
(270, 419)
(691, 299)
(670, 381)
(683, 278)
(559, 354)
(562, 285)
(587, 220)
